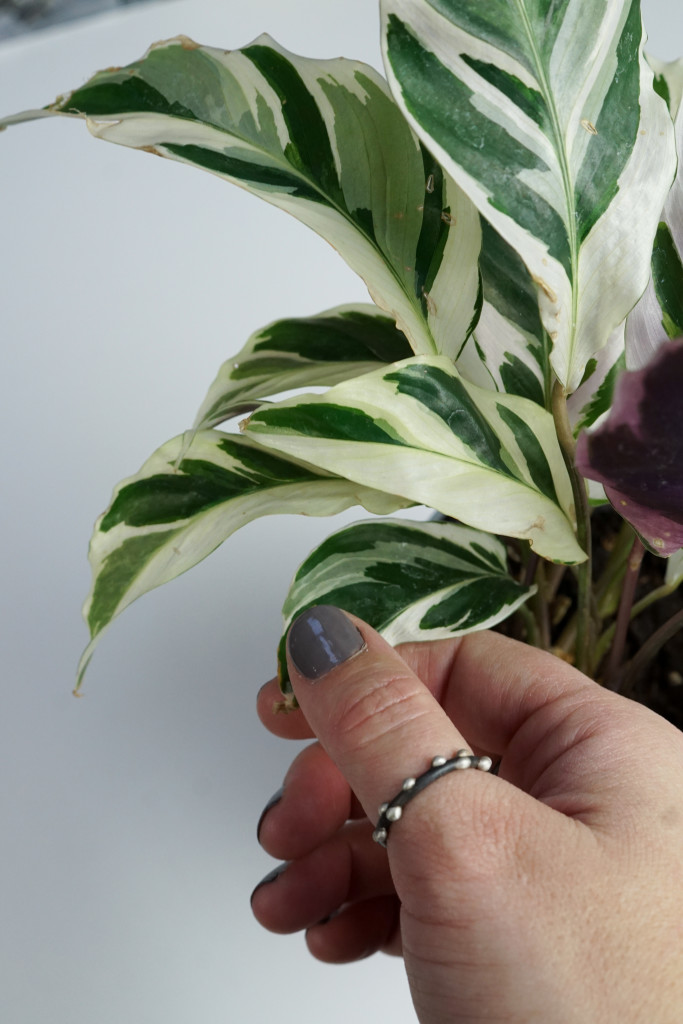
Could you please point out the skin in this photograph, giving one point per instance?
(551, 893)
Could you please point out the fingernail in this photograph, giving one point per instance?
(275, 799)
(322, 638)
(270, 877)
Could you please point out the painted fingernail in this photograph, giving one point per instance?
(270, 877)
(275, 799)
(322, 638)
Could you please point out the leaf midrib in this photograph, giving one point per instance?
(564, 167)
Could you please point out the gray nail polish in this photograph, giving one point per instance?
(275, 799)
(270, 877)
(322, 638)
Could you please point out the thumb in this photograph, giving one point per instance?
(380, 724)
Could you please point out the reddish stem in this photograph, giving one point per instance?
(628, 593)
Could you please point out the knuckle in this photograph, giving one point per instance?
(369, 711)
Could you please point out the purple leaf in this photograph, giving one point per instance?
(637, 453)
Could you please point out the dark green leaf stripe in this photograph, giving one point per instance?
(601, 400)
(446, 396)
(347, 335)
(536, 460)
(476, 601)
(302, 352)
(519, 379)
(530, 101)
(409, 580)
(667, 275)
(330, 421)
(511, 339)
(507, 283)
(270, 179)
(608, 152)
(118, 572)
(309, 146)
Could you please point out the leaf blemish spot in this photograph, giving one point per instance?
(590, 128)
(431, 305)
(429, 187)
(544, 288)
(447, 218)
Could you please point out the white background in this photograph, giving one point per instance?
(127, 818)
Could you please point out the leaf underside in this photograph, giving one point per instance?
(323, 140)
(637, 453)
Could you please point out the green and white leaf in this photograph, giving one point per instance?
(544, 112)
(509, 349)
(658, 315)
(593, 398)
(418, 429)
(410, 581)
(668, 81)
(322, 140)
(302, 352)
(168, 517)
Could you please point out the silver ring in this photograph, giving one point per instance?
(393, 810)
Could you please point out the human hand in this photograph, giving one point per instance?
(553, 892)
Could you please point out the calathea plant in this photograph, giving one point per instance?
(509, 196)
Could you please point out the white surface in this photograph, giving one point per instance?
(127, 849)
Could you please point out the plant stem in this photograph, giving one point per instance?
(616, 566)
(539, 603)
(530, 569)
(530, 625)
(555, 575)
(649, 650)
(583, 527)
(606, 638)
(613, 674)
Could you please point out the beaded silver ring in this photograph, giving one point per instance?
(393, 810)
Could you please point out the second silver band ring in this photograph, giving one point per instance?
(440, 766)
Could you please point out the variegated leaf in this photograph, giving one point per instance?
(668, 81)
(302, 352)
(172, 514)
(419, 430)
(323, 140)
(544, 112)
(410, 581)
(593, 398)
(658, 315)
(509, 349)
